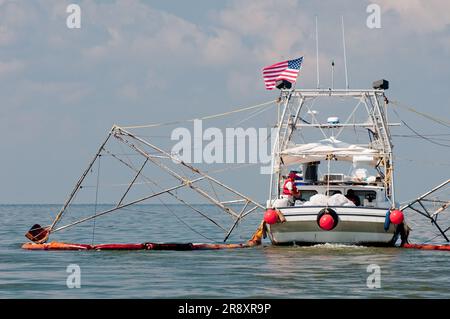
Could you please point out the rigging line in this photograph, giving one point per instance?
(117, 208)
(208, 117)
(329, 157)
(354, 130)
(169, 192)
(230, 168)
(132, 182)
(349, 117)
(141, 211)
(78, 184)
(183, 169)
(183, 222)
(428, 116)
(416, 137)
(435, 201)
(192, 168)
(427, 135)
(68, 211)
(67, 215)
(254, 114)
(176, 216)
(433, 163)
(96, 197)
(158, 212)
(159, 199)
(130, 154)
(437, 235)
(173, 213)
(418, 134)
(313, 117)
(116, 185)
(215, 193)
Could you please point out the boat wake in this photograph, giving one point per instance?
(337, 246)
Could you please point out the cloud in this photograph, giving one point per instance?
(421, 16)
(11, 68)
(241, 83)
(133, 63)
(7, 36)
(139, 31)
(223, 48)
(128, 91)
(271, 30)
(103, 50)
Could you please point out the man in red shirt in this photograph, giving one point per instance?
(290, 191)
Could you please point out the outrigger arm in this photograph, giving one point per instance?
(40, 234)
(422, 209)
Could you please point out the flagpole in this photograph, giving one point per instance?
(332, 74)
(317, 53)
(345, 55)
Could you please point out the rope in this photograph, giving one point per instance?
(254, 114)
(208, 117)
(96, 197)
(425, 135)
(130, 165)
(418, 134)
(433, 163)
(165, 205)
(170, 193)
(428, 116)
(328, 177)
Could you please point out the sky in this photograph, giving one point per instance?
(139, 62)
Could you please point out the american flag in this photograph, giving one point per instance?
(286, 70)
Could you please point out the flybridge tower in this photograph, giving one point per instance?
(295, 103)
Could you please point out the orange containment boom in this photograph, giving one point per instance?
(427, 247)
(56, 246)
(144, 246)
(254, 241)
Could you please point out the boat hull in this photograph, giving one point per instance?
(356, 226)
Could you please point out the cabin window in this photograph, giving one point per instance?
(366, 196)
(333, 192)
(306, 194)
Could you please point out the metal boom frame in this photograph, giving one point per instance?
(127, 138)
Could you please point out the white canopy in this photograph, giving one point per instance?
(312, 152)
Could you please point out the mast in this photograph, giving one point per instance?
(284, 101)
(345, 54)
(332, 75)
(317, 54)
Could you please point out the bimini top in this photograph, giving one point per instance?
(319, 151)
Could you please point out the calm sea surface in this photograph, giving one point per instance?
(262, 272)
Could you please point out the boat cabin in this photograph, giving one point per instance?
(359, 189)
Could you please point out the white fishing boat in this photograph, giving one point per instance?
(331, 181)
(344, 185)
(343, 173)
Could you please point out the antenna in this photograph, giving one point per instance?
(317, 53)
(332, 74)
(345, 54)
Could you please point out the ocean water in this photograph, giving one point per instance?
(324, 271)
